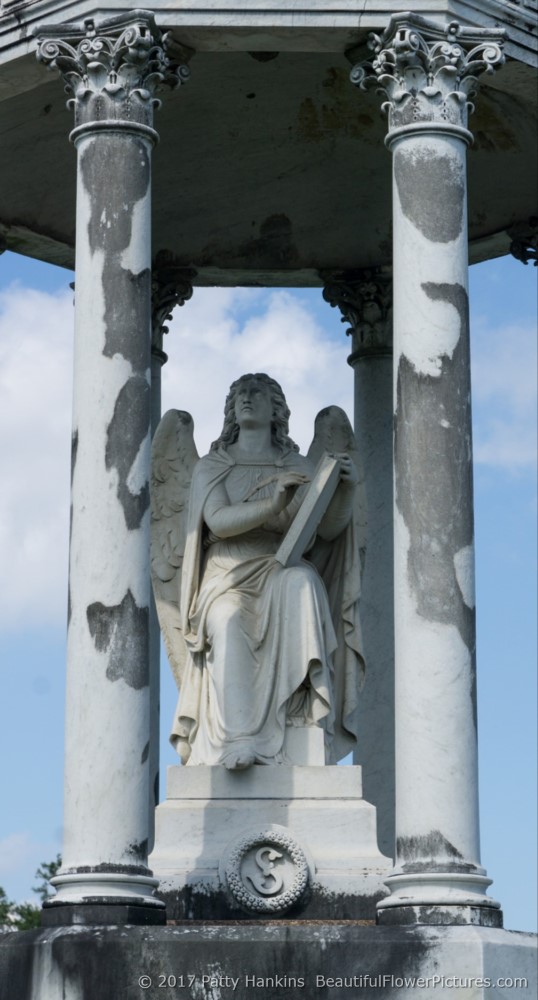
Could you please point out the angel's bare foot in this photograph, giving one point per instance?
(239, 760)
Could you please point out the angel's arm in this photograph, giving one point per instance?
(225, 520)
(340, 509)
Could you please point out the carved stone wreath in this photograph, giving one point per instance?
(267, 840)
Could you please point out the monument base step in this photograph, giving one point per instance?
(317, 960)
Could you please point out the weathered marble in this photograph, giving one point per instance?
(427, 76)
(365, 300)
(285, 112)
(328, 960)
(111, 73)
(209, 811)
(256, 645)
(171, 286)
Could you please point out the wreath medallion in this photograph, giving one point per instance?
(267, 872)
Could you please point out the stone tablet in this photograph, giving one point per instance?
(317, 499)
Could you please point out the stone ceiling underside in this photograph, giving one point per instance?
(271, 168)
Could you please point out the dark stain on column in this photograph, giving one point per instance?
(127, 304)
(114, 186)
(138, 851)
(125, 434)
(69, 603)
(122, 632)
(431, 191)
(145, 754)
(430, 852)
(434, 489)
(116, 172)
(74, 450)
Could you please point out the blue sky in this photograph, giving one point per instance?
(297, 338)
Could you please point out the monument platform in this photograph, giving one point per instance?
(299, 840)
(317, 960)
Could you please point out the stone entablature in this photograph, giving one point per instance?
(307, 25)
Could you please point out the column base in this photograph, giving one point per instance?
(103, 897)
(439, 898)
(99, 913)
(440, 916)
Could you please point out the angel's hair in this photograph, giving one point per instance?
(279, 421)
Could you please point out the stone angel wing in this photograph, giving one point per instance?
(333, 433)
(339, 564)
(173, 457)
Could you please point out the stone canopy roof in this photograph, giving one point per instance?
(271, 167)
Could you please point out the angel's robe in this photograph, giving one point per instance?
(267, 646)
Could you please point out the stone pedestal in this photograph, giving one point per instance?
(209, 812)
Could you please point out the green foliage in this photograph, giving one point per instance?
(6, 906)
(26, 916)
(44, 873)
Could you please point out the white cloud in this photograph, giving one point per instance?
(281, 336)
(504, 396)
(216, 336)
(35, 400)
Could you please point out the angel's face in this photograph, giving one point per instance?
(253, 404)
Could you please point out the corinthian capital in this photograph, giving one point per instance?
(365, 300)
(112, 70)
(524, 245)
(171, 286)
(428, 72)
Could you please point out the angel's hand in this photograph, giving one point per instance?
(286, 485)
(348, 471)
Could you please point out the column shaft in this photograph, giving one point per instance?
(171, 286)
(365, 300)
(157, 361)
(112, 76)
(373, 429)
(107, 732)
(433, 512)
(427, 76)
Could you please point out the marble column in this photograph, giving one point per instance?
(111, 70)
(365, 301)
(171, 286)
(427, 73)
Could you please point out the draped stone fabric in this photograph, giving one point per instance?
(261, 641)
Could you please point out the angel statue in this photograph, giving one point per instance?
(256, 646)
